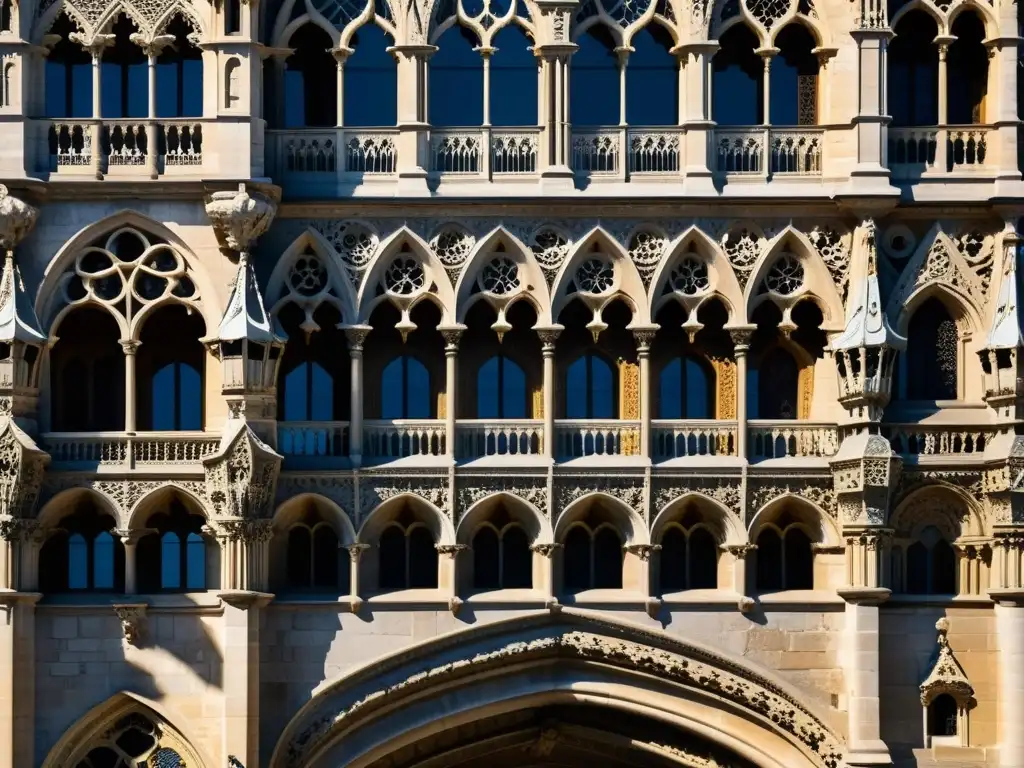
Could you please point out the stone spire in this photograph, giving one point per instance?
(865, 352)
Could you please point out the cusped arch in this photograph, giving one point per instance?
(387, 511)
(545, 658)
(521, 511)
(723, 283)
(151, 503)
(291, 511)
(817, 30)
(79, 738)
(985, 12)
(337, 291)
(947, 506)
(626, 519)
(61, 505)
(438, 287)
(820, 526)
(628, 284)
(718, 517)
(533, 286)
(817, 285)
(49, 289)
(919, 5)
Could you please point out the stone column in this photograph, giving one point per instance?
(942, 42)
(548, 337)
(548, 584)
(356, 338)
(413, 128)
(1008, 594)
(452, 334)
(95, 46)
(130, 347)
(739, 554)
(871, 122)
(767, 54)
(130, 538)
(340, 57)
(695, 111)
(355, 554)
(151, 50)
(447, 576)
(644, 337)
(554, 51)
(741, 344)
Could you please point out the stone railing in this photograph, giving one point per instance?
(740, 150)
(597, 152)
(781, 439)
(944, 440)
(936, 150)
(313, 438)
(142, 449)
(320, 153)
(476, 438)
(705, 437)
(124, 146)
(514, 153)
(484, 152)
(654, 150)
(385, 440)
(577, 438)
(796, 151)
(790, 151)
(458, 152)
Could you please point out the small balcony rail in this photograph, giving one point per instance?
(791, 439)
(132, 147)
(320, 153)
(938, 150)
(128, 451)
(578, 438)
(484, 152)
(681, 439)
(944, 440)
(762, 151)
(619, 152)
(313, 439)
(387, 440)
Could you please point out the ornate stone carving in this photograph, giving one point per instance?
(818, 491)
(947, 676)
(532, 489)
(240, 218)
(16, 220)
(643, 551)
(450, 550)
(546, 549)
(245, 531)
(374, 490)
(724, 490)
(337, 488)
(570, 488)
(22, 468)
(132, 617)
(242, 476)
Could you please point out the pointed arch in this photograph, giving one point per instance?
(919, 5)
(520, 510)
(80, 737)
(438, 287)
(533, 286)
(150, 502)
(984, 11)
(209, 304)
(187, 13)
(813, 517)
(51, 513)
(626, 519)
(818, 30)
(289, 511)
(729, 528)
(723, 283)
(427, 513)
(948, 506)
(338, 289)
(818, 284)
(628, 283)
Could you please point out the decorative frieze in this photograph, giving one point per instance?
(530, 488)
(375, 489)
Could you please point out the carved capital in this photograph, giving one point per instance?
(355, 551)
(132, 617)
(245, 531)
(739, 551)
(741, 334)
(546, 549)
(548, 338)
(643, 551)
(450, 550)
(130, 536)
(356, 335)
(94, 44)
(151, 46)
(240, 218)
(452, 334)
(16, 219)
(454, 605)
(644, 337)
(130, 346)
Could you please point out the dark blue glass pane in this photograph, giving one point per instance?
(163, 399)
(190, 398)
(697, 405)
(138, 90)
(752, 393)
(734, 97)
(418, 384)
(514, 395)
(783, 93)
(513, 79)
(103, 561)
(167, 90)
(56, 90)
(899, 82)
(81, 94)
(296, 403)
(371, 80)
(294, 99)
(170, 561)
(670, 385)
(926, 99)
(391, 402)
(192, 90)
(594, 96)
(110, 90)
(195, 562)
(576, 386)
(456, 80)
(601, 384)
(652, 83)
(78, 562)
(322, 404)
(487, 390)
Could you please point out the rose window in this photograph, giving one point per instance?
(404, 277)
(307, 276)
(500, 277)
(690, 276)
(595, 276)
(357, 247)
(785, 276)
(453, 246)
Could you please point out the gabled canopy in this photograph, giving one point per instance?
(866, 323)
(246, 317)
(18, 321)
(1005, 331)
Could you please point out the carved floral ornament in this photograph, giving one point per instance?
(242, 477)
(16, 219)
(94, 18)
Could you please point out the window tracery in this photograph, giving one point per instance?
(150, 16)
(500, 277)
(550, 248)
(786, 275)
(135, 741)
(690, 276)
(595, 276)
(742, 247)
(452, 245)
(404, 277)
(354, 243)
(646, 249)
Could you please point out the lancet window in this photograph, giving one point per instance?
(688, 558)
(928, 371)
(784, 557)
(502, 558)
(172, 557)
(312, 557)
(84, 553)
(407, 558)
(592, 558)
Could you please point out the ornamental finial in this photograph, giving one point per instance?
(240, 217)
(16, 220)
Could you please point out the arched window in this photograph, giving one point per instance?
(310, 95)
(589, 389)
(173, 557)
(87, 373)
(68, 75)
(686, 390)
(179, 75)
(407, 558)
(737, 89)
(456, 80)
(793, 87)
(405, 389)
(594, 73)
(83, 554)
(313, 561)
(914, 71)
(943, 714)
(772, 386)
(124, 75)
(501, 391)
(784, 560)
(688, 560)
(931, 565)
(513, 79)
(967, 68)
(308, 393)
(314, 379)
(928, 370)
(652, 79)
(502, 561)
(168, 368)
(592, 559)
(133, 740)
(371, 80)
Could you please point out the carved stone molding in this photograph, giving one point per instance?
(643, 551)
(132, 617)
(16, 219)
(241, 478)
(546, 549)
(569, 488)
(531, 488)
(817, 490)
(337, 488)
(241, 530)
(374, 490)
(450, 550)
(724, 490)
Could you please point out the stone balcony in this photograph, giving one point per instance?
(121, 452)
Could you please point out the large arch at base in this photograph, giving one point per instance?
(561, 689)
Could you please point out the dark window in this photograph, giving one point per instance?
(577, 558)
(590, 390)
(513, 79)
(87, 373)
(179, 75)
(516, 559)
(592, 560)
(232, 17)
(83, 555)
(703, 559)
(422, 559)
(486, 559)
(405, 390)
(124, 75)
(594, 73)
(769, 561)
(177, 398)
(371, 79)
(501, 390)
(68, 75)
(784, 562)
(173, 557)
(942, 716)
(407, 560)
(652, 79)
(457, 80)
(392, 559)
(688, 560)
(673, 562)
(914, 71)
(794, 74)
(310, 77)
(928, 368)
(772, 386)
(686, 390)
(308, 393)
(313, 561)
(931, 565)
(737, 89)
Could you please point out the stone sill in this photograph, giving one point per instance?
(190, 602)
(939, 601)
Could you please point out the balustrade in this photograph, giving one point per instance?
(590, 437)
(504, 437)
(128, 451)
(680, 439)
(313, 438)
(937, 150)
(484, 152)
(927, 440)
(791, 151)
(123, 145)
(596, 152)
(385, 440)
(781, 439)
